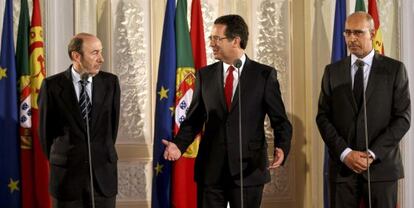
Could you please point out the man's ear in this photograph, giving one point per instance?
(372, 33)
(236, 41)
(76, 56)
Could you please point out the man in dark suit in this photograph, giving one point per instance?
(67, 101)
(215, 106)
(341, 119)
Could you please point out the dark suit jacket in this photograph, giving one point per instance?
(64, 139)
(388, 116)
(260, 96)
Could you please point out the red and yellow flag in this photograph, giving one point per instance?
(38, 73)
(377, 42)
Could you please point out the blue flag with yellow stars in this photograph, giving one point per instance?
(9, 135)
(161, 181)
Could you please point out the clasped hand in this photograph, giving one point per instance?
(357, 161)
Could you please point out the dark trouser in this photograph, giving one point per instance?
(349, 194)
(101, 201)
(218, 196)
(226, 191)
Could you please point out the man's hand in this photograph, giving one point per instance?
(357, 161)
(279, 156)
(171, 152)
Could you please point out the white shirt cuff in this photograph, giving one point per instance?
(372, 154)
(345, 153)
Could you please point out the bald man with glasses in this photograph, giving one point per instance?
(341, 119)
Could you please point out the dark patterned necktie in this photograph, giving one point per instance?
(359, 83)
(84, 101)
(228, 88)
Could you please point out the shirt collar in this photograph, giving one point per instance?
(242, 59)
(76, 76)
(367, 59)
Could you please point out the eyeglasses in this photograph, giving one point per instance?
(216, 38)
(356, 33)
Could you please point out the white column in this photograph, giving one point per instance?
(407, 54)
(85, 16)
(58, 28)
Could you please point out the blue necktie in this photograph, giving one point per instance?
(84, 101)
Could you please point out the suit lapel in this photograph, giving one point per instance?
(98, 97)
(243, 80)
(346, 73)
(220, 84)
(68, 95)
(374, 76)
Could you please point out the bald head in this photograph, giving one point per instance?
(76, 43)
(361, 17)
(359, 33)
(85, 51)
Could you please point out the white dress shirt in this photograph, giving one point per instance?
(235, 73)
(75, 80)
(367, 70)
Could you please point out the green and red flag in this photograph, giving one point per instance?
(191, 55)
(25, 107)
(360, 6)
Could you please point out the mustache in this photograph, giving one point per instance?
(353, 45)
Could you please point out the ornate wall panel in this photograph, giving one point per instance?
(269, 30)
(133, 181)
(389, 21)
(209, 10)
(130, 61)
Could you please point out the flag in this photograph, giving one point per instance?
(25, 118)
(377, 42)
(183, 169)
(164, 110)
(38, 72)
(197, 35)
(360, 6)
(338, 41)
(10, 183)
(338, 52)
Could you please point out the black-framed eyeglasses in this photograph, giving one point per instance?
(215, 38)
(356, 33)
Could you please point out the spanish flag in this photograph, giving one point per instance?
(377, 42)
(37, 74)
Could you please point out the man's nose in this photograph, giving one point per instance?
(101, 59)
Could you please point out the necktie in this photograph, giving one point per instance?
(84, 101)
(228, 88)
(359, 83)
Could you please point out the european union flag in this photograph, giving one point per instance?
(9, 135)
(161, 182)
(338, 40)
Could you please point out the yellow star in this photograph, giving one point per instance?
(172, 110)
(158, 169)
(13, 185)
(2, 73)
(163, 93)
